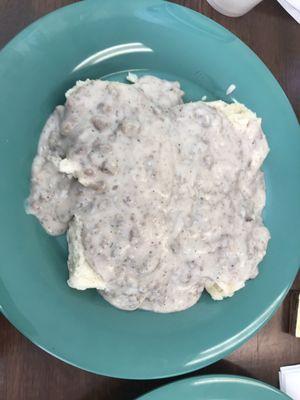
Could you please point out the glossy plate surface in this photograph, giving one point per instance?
(216, 387)
(93, 39)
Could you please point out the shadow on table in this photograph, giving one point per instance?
(131, 389)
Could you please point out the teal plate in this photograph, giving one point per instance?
(216, 387)
(107, 38)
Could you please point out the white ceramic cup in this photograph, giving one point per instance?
(233, 8)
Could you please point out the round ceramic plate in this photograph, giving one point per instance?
(93, 39)
(216, 387)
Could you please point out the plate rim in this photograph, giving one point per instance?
(210, 379)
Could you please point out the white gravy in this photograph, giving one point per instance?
(168, 195)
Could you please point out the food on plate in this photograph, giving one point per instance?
(160, 199)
